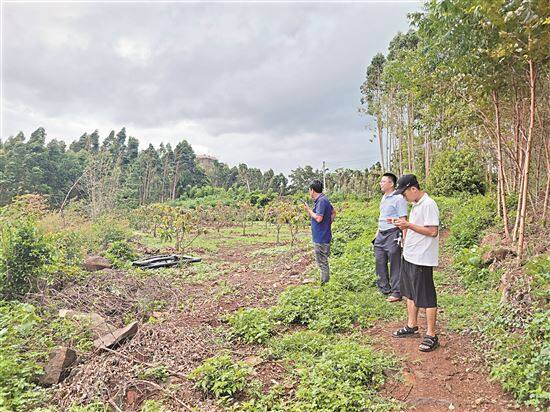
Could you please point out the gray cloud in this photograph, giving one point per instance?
(271, 85)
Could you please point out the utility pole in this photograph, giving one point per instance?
(324, 179)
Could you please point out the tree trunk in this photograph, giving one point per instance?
(526, 163)
(380, 141)
(501, 185)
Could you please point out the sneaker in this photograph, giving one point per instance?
(393, 299)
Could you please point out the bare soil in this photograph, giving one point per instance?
(186, 330)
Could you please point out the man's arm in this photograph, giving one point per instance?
(317, 217)
(332, 215)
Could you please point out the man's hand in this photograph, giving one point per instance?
(401, 223)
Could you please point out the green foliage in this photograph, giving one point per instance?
(538, 269)
(23, 254)
(108, 229)
(300, 345)
(18, 367)
(456, 171)
(250, 325)
(519, 356)
(469, 264)
(220, 377)
(151, 405)
(344, 378)
(469, 223)
(298, 304)
(121, 253)
(158, 373)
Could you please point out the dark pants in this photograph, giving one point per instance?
(387, 250)
(322, 252)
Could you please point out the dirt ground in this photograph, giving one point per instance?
(186, 330)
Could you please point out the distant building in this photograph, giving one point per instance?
(207, 163)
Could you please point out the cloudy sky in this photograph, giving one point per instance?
(274, 85)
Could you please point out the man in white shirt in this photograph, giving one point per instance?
(420, 256)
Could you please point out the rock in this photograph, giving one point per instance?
(308, 280)
(58, 365)
(94, 321)
(116, 337)
(496, 255)
(253, 360)
(94, 263)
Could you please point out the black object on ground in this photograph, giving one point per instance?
(164, 261)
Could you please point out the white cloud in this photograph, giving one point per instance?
(132, 49)
(271, 85)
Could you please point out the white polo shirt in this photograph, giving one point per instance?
(420, 249)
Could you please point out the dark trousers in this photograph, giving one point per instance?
(387, 250)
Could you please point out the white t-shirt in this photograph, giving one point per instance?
(420, 249)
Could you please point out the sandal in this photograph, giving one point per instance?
(406, 332)
(429, 343)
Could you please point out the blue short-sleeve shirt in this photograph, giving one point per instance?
(321, 232)
(391, 206)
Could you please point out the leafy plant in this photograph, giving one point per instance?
(23, 253)
(250, 325)
(220, 377)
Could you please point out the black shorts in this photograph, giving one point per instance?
(417, 283)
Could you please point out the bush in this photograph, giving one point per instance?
(109, 229)
(457, 171)
(250, 325)
(23, 253)
(18, 368)
(121, 253)
(470, 221)
(220, 377)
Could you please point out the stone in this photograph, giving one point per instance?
(94, 321)
(308, 280)
(95, 263)
(115, 338)
(253, 360)
(58, 366)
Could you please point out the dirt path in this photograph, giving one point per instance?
(450, 378)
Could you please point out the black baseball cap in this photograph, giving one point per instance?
(404, 182)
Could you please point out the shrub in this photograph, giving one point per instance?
(470, 221)
(23, 253)
(250, 325)
(456, 171)
(220, 377)
(108, 229)
(18, 368)
(120, 253)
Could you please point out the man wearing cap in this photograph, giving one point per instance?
(420, 256)
(387, 243)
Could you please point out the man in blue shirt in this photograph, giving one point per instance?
(322, 216)
(387, 243)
